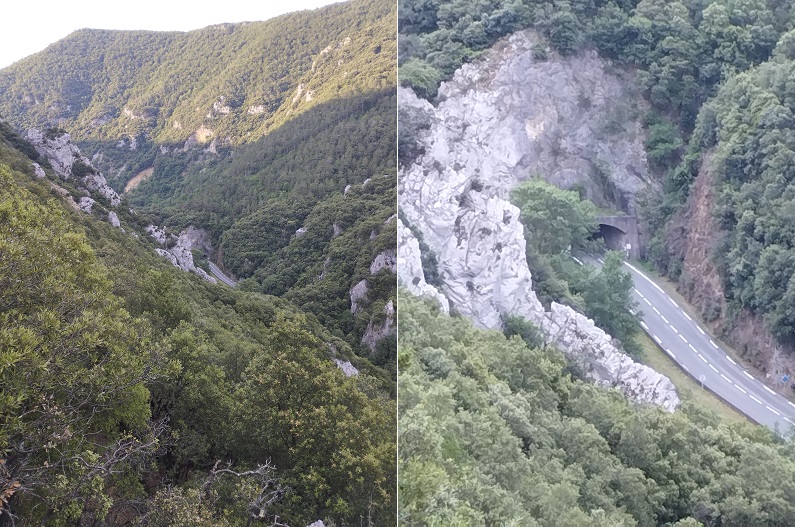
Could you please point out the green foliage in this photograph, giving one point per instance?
(492, 431)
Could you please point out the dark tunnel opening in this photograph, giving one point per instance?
(615, 239)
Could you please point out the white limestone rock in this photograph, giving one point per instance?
(38, 172)
(113, 219)
(358, 293)
(375, 333)
(347, 368)
(384, 260)
(410, 273)
(62, 155)
(158, 233)
(180, 254)
(498, 122)
(86, 204)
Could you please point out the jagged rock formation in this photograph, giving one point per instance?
(500, 120)
(67, 161)
(180, 254)
(347, 368)
(377, 332)
(409, 264)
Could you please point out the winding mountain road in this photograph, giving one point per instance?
(221, 276)
(689, 345)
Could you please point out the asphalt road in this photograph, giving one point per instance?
(690, 346)
(221, 276)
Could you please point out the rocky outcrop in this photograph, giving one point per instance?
(180, 254)
(113, 219)
(384, 260)
(377, 332)
(347, 368)
(499, 121)
(358, 294)
(86, 204)
(67, 161)
(411, 275)
(38, 172)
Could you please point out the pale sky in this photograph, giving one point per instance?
(29, 26)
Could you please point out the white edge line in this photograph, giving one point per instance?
(791, 404)
(701, 330)
(738, 387)
(755, 399)
(656, 310)
(768, 389)
(731, 360)
(577, 260)
(674, 303)
(772, 410)
(657, 339)
(687, 316)
(713, 343)
(787, 419)
(644, 276)
(671, 353)
(643, 324)
(647, 301)
(748, 374)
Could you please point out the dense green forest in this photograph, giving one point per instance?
(493, 431)
(132, 393)
(718, 75)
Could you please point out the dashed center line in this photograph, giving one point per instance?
(755, 399)
(639, 293)
(656, 310)
(748, 374)
(725, 378)
(731, 360)
(673, 328)
(683, 338)
(692, 348)
(768, 389)
(772, 410)
(646, 300)
(713, 368)
(700, 356)
(664, 319)
(738, 387)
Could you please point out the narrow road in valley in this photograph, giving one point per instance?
(690, 346)
(221, 276)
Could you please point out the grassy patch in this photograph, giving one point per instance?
(689, 389)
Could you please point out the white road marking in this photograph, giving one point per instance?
(601, 261)
(639, 293)
(674, 303)
(755, 399)
(731, 360)
(643, 324)
(647, 301)
(701, 330)
(664, 319)
(725, 378)
(788, 420)
(657, 339)
(692, 348)
(768, 389)
(681, 337)
(656, 310)
(748, 374)
(713, 344)
(671, 353)
(685, 367)
(772, 410)
(687, 316)
(644, 276)
(738, 387)
(791, 404)
(714, 368)
(700, 356)
(673, 328)
(576, 260)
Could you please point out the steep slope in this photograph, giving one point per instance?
(124, 380)
(248, 132)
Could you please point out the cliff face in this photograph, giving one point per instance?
(499, 121)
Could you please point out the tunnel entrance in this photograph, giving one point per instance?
(615, 239)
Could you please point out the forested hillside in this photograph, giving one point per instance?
(717, 75)
(136, 394)
(492, 431)
(252, 132)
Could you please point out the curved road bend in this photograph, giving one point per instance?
(686, 342)
(221, 276)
